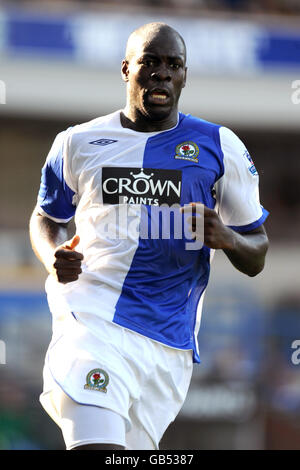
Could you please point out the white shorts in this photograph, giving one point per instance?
(134, 384)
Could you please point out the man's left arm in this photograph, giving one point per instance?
(236, 224)
(246, 251)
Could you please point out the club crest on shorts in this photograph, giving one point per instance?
(187, 151)
(97, 379)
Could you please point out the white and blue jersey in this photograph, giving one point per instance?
(113, 179)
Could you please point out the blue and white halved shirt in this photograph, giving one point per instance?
(122, 186)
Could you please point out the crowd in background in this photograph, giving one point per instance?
(288, 7)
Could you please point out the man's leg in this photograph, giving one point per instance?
(86, 427)
(138, 438)
(99, 447)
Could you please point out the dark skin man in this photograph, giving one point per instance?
(155, 74)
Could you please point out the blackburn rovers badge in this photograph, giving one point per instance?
(97, 379)
(187, 151)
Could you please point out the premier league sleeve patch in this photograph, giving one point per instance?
(251, 168)
(187, 151)
(97, 379)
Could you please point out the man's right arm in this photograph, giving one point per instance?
(48, 240)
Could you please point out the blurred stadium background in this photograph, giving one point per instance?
(59, 65)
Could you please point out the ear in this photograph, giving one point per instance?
(125, 70)
(185, 73)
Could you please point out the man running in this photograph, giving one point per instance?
(125, 297)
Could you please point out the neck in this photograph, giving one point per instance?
(135, 120)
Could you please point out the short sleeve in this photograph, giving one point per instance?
(55, 198)
(237, 191)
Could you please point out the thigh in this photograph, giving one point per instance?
(98, 447)
(86, 355)
(162, 397)
(85, 425)
(137, 438)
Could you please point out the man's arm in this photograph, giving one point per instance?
(48, 240)
(246, 251)
(249, 251)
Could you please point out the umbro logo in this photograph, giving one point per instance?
(103, 142)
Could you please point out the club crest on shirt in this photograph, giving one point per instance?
(187, 151)
(97, 379)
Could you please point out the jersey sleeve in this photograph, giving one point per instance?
(237, 191)
(55, 198)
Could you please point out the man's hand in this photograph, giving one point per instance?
(246, 250)
(67, 265)
(211, 229)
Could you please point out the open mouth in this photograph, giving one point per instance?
(159, 97)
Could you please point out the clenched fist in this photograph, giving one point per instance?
(67, 265)
(211, 230)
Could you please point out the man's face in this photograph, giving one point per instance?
(155, 73)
